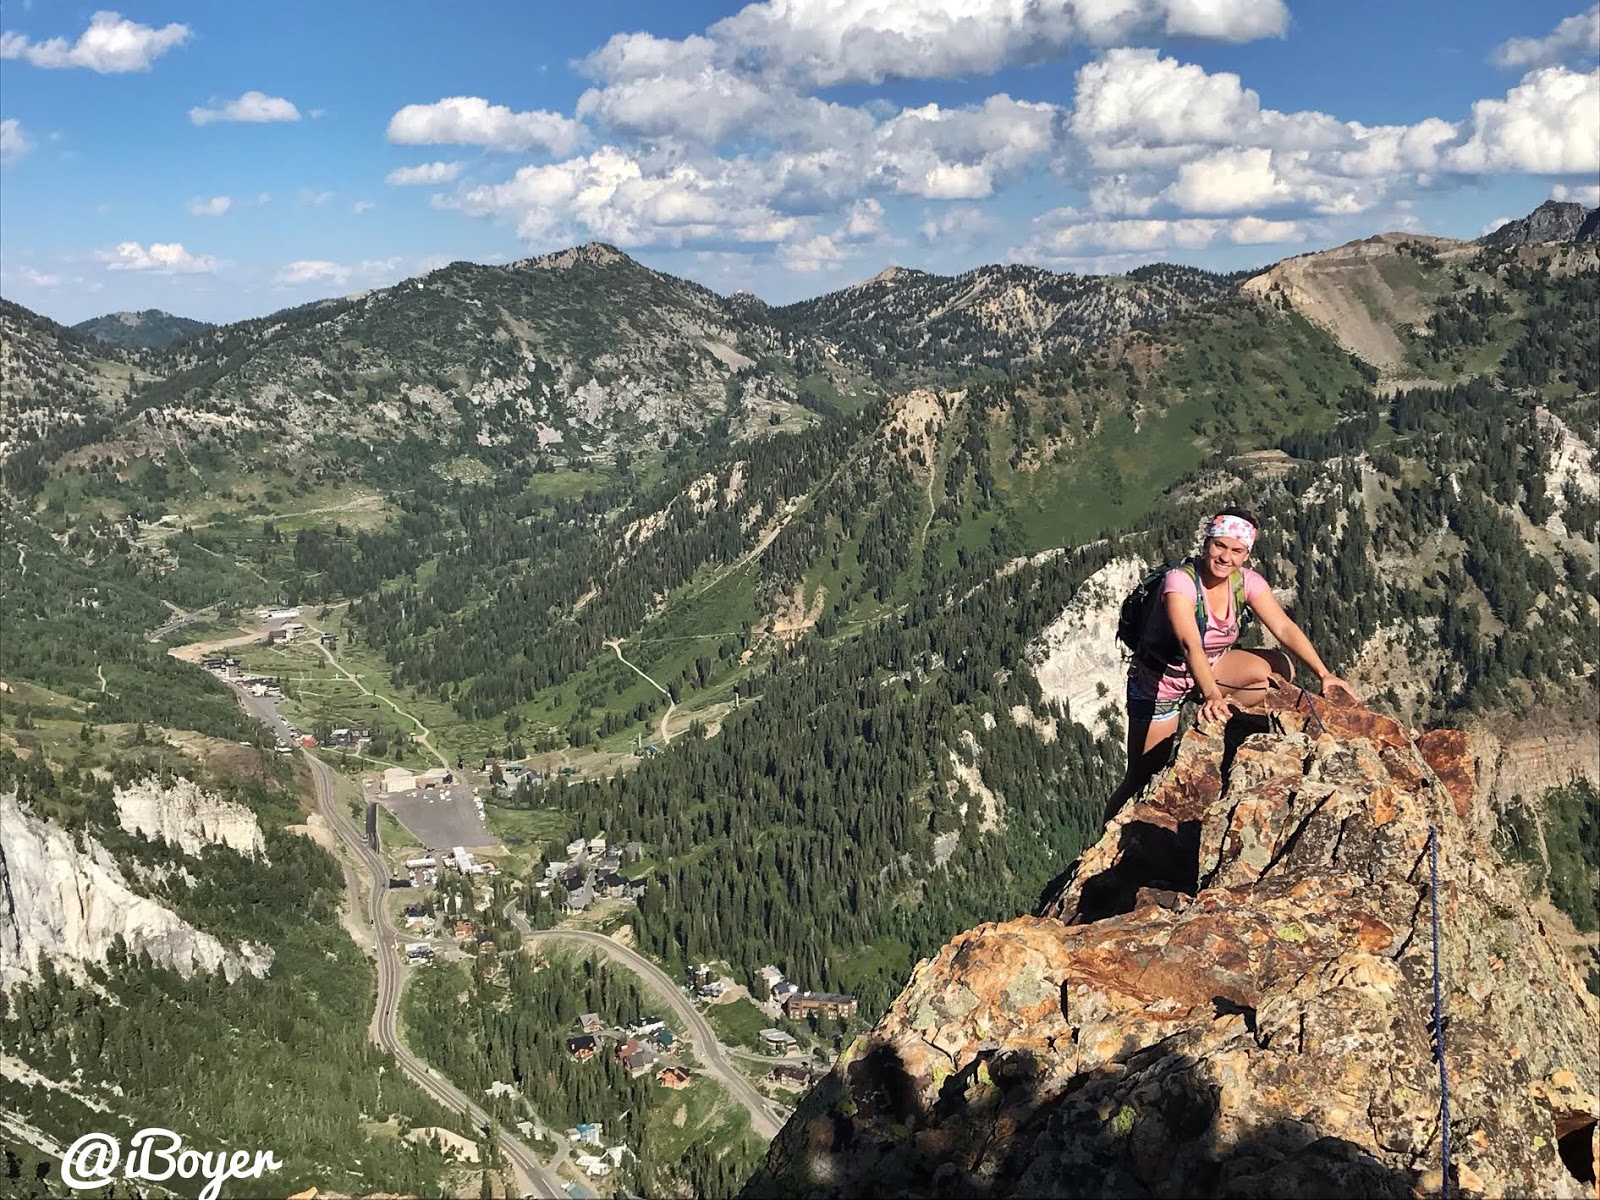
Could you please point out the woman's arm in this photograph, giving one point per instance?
(1293, 639)
(1180, 612)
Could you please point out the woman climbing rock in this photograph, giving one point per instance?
(1186, 650)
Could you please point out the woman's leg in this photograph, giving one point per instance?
(1149, 748)
(1244, 675)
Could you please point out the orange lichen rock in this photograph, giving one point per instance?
(1231, 994)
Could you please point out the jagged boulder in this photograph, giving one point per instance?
(1231, 995)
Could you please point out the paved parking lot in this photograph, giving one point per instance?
(439, 817)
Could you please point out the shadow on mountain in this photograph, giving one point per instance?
(1148, 1124)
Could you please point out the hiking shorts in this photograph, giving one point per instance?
(1152, 698)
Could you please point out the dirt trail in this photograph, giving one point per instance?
(422, 738)
(616, 647)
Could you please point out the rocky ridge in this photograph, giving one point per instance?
(1231, 994)
(911, 327)
(1552, 221)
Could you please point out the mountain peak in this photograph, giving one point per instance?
(590, 254)
(893, 274)
(1552, 221)
(1234, 999)
(149, 328)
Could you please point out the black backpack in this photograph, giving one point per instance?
(1140, 603)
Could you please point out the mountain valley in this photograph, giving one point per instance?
(804, 609)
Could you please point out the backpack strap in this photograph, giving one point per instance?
(1202, 611)
(1202, 614)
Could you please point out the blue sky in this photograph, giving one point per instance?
(226, 160)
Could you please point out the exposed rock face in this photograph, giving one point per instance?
(1231, 995)
(1077, 658)
(1552, 221)
(68, 899)
(184, 816)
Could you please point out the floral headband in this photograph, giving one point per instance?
(1232, 527)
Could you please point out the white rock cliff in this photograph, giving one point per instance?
(69, 899)
(185, 816)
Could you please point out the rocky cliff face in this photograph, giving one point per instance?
(67, 898)
(1077, 659)
(185, 816)
(1231, 995)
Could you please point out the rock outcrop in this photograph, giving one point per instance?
(66, 898)
(1231, 994)
(1552, 221)
(184, 815)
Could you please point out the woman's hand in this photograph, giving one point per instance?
(1215, 708)
(1332, 683)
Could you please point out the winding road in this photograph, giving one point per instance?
(766, 1117)
(533, 1177)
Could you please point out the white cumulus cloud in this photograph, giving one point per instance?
(112, 44)
(864, 220)
(161, 258)
(815, 253)
(312, 270)
(255, 107)
(362, 207)
(1063, 235)
(14, 141)
(609, 195)
(434, 172)
(1587, 195)
(473, 121)
(209, 206)
(1549, 124)
(1574, 38)
(829, 42)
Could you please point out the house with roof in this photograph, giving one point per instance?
(822, 1004)
(778, 1043)
(641, 1060)
(791, 1075)
(770, 978)
(675, 1078)
(590, 1022)
(583, 1048)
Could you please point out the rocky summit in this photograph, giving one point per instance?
(1231, 994)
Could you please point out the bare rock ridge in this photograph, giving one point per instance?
(1231, 994)
(1552, 221)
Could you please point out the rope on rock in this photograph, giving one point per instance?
(1439, 1018)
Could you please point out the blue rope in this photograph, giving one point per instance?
(1438, 1017)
